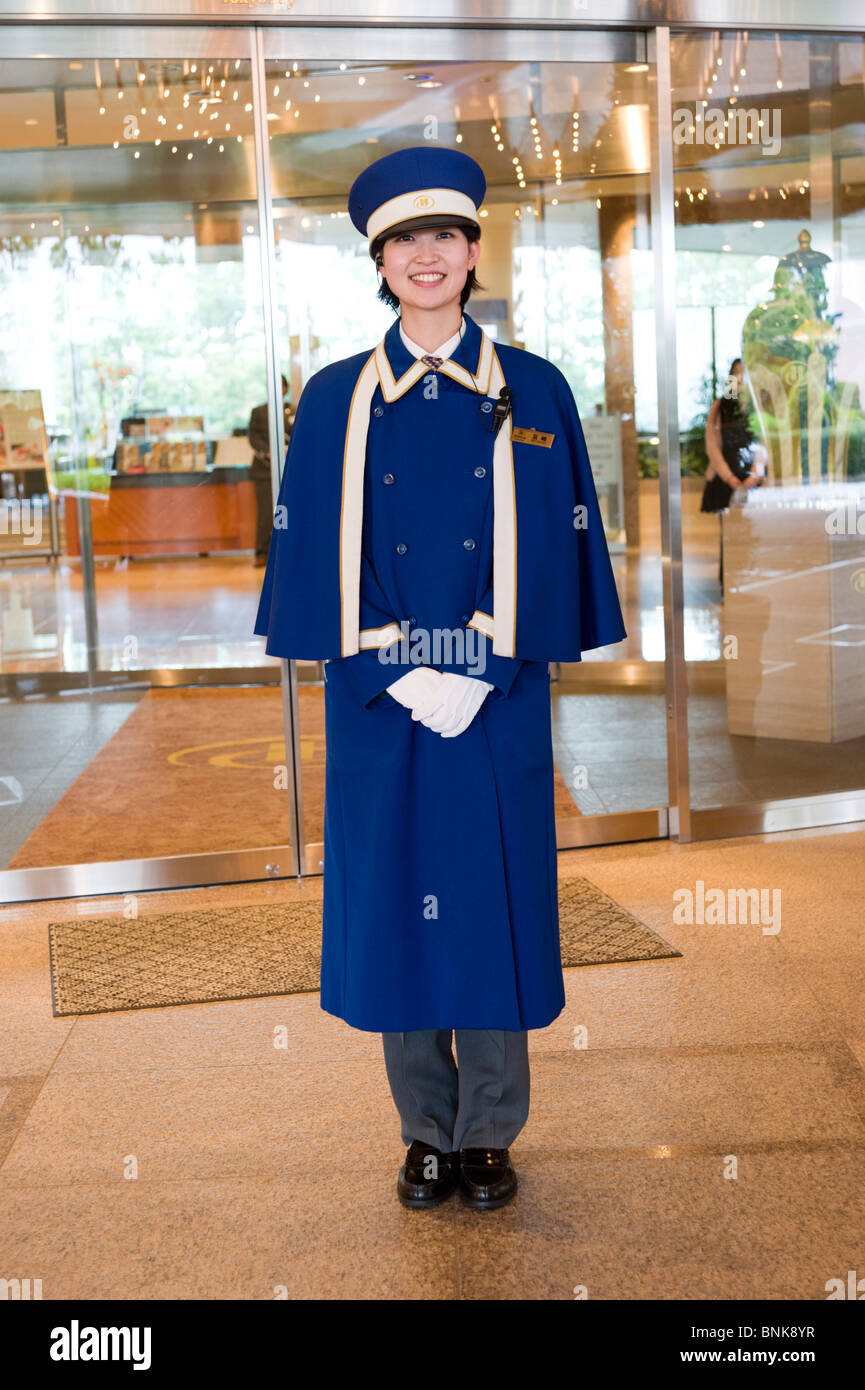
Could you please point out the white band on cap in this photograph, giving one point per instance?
(437, 201)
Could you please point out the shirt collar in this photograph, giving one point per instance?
(444, 352)
(399, 360)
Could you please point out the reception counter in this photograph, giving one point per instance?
(169, 514)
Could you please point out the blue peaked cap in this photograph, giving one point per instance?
(423, 186)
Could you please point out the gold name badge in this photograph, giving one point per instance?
(521, 436)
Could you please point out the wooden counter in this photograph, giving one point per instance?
(169, 514)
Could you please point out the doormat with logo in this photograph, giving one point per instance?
(103, 964)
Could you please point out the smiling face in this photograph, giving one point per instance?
(427, 268)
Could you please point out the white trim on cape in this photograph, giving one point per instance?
(488, 381)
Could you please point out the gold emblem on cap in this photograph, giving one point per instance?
(423, 202)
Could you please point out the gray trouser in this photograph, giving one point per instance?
(483, 1104)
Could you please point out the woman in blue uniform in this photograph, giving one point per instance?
(437, 542)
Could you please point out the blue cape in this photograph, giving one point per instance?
(565, 594)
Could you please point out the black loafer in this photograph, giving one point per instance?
(487, 1178)
(428, 1176)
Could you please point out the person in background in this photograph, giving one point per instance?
(259, 437)
(736, 459)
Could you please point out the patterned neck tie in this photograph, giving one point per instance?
(432, 361)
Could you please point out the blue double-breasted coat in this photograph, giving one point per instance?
(440, 884)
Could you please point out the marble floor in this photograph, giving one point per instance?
(708, 1142)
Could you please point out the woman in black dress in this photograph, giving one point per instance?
(733, 452)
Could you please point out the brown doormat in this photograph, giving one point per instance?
(104, 964)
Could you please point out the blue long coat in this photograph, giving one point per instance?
(440, 884)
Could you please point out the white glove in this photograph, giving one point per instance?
(460, 698)
(419, 690)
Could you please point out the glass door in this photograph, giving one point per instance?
(560, 124)
(770, 268)
(142, 726)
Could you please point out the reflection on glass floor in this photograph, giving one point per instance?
(151, 614)
(611, 754)
(726, 769)
(126, 774)
(611, 750)
(199, 611)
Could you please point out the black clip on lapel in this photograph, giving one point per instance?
(502, 408)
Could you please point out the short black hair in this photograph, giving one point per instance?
(284, 380)
(386, 294)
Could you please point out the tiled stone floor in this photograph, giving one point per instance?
(259, 1166)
